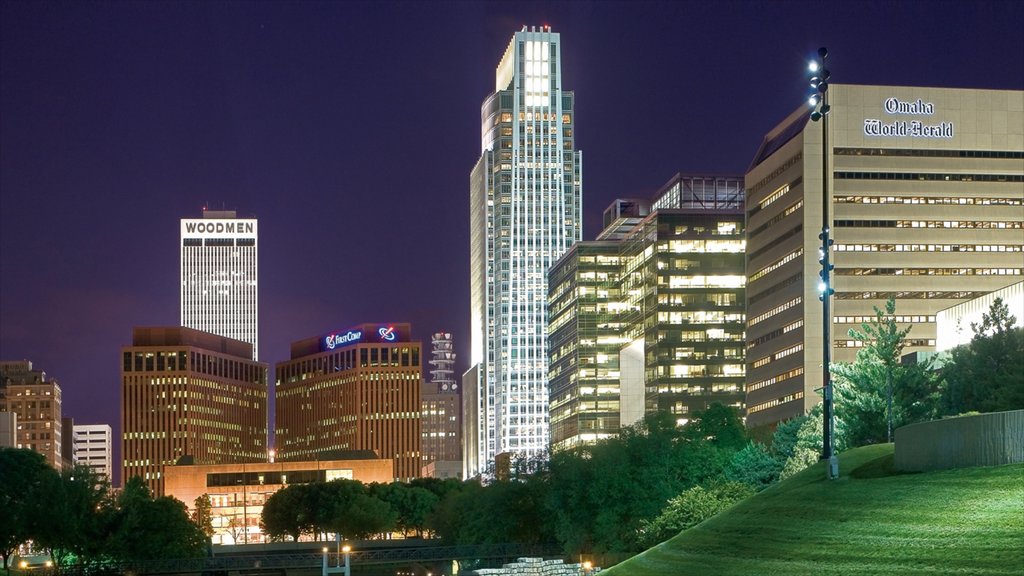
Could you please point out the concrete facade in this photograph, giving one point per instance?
(925, 190)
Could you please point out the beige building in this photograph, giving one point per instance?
(925, 189)
(238, 491)
(189, 393)
(35, 401)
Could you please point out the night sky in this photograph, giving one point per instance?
(349, 130)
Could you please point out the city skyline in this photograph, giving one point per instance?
(120, 119)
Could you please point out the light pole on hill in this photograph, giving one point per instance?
(819, 111)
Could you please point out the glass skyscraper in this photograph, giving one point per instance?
(526, 196)
(218, 276)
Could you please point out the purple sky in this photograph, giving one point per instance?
(349, 130)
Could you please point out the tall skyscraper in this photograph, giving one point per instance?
(355, 389)
(94, 448)
(526, 196)
(219, 275)
(925, 194)
(189, 393)
(36, 402)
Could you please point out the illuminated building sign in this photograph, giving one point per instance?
(907, 128)
(332, 341)
(217, 228)
(365, 333)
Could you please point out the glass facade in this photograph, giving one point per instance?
(525, 212)
(652, 319)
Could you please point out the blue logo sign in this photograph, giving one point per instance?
(332, 341)
(387, 334)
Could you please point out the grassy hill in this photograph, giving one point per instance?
(869, 521)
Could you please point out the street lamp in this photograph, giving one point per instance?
(819, 111)
(348, 567)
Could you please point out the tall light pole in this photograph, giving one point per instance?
(819, 111)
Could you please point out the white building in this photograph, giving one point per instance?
(525, 211)
(93, 448)
(218, 276)
(954, 323)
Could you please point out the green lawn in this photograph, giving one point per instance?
(869, 521)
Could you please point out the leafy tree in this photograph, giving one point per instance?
(411, 504)
(346, 507)
(24, 478)
(719, 424)
(148, 529)
(754, 466)
(987, 375)
(202, 514)
(75, 520)
(690, 508)
(799, 442)
(876, 393)
(285, 513)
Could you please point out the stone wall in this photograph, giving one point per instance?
(961, 442)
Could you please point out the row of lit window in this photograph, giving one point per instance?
(775, 333)
(777, 310)
(908, 342)
(776, 379)
(928, 271)
(863, 319)
(940, 200)
(922, 153)
(909, 295)
(777, 264)
(777, 218)
(780, 285)
(775, 402)
(927, 247)
(776, 173)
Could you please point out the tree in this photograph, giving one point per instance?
(285, 513)
(75, 520)
(24, 477)
(987, 375)
(411, 504)
(876, 392)
(754, 466)
(690, 508)
(202, 514)
(148, 529)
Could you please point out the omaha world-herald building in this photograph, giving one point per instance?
(218, 276)
(355, 389)
(189, 393)
(526, 196)
(925, 189)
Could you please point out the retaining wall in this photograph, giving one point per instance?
(961, 442)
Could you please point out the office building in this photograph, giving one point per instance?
(8, 430)
(94, 448)
(186, 393)
(925, 190)
(355, 389)
(219, 276)
(585, 334)
(525, 212)
(955, 325)
(441, 409)
(238, 492)
(35, 400)
(650, 316)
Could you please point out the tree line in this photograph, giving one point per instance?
(620, 495)
(74, 515)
